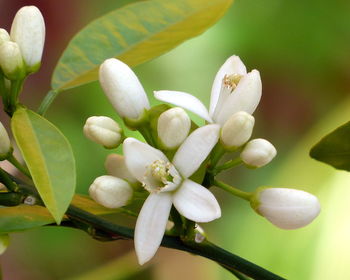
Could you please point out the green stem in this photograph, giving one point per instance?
(7, 181)
(105, 230)
(217, 154)
(18, 165)
(233, 190)
(2, 85)
(47, 101)
(227, 165)
(204, 249)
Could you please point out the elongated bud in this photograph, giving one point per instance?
(11, 61)
(5, 144)
(115, 166)
(103, 131)
(286, 208)
(123, 89)
(258, 152)
(28, 31)
(237, 130)
(173, 127)
(111, 192)
(4, 36)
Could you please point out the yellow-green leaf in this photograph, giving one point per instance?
(4, 242)
(49, 158)
(23, 217)
(134, 34)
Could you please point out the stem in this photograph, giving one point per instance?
(48, 99)
(217, 153)
(6, 180)
(233, 190)
(204, 249)
(104, 230)
(18, 165)
(2, 85)
(232, 163)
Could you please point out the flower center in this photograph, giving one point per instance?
(230, 82)
(160, 174)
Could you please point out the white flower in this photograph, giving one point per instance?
(173, 127)
(286, 208)
(28, 31)
(168, 184)
(111, 192)
(123, 89)
(11, 61)
(258, 152)
(104, 131)
(237, 130)
(233, 90)
(4, 36)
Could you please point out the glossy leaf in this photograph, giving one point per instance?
(23, 217)
(49, 158)
(334, 148)
(134, 34)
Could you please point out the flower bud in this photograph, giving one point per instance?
(111, 192)
(11, 61)
(173, 127)
(104, 131)
(258, 152)
(286, 208)
(123, 89)
(115, 166)
(4, 36)
(5, 144)
(237, 130)
(28, 31)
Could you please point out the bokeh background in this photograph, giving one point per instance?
(301, 49)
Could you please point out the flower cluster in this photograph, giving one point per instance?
(179, 161)
(21, 50)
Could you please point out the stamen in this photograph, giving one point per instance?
(231, 81)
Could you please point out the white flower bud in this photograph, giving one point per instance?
(111, 192)
(123, 89)
(115, 166)
(11, 60)
(286, 208)
(104, 131)
(28, 31)
(4, 36)
(258, 152)
(237, 130)
(173, 127)
(5, 144)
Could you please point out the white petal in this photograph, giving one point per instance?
(195, 149)
(196, 203)
(184, 100)
(139, 155)
(233, 65)
(245, 97)
(151, 224)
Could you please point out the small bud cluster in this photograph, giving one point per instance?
(180, 160)
(21, 50)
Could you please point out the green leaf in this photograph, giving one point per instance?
(4, 242)
(134, 34)
(334, 148)
(49, 158)
(23, 217)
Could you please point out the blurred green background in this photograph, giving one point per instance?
(302, 52)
